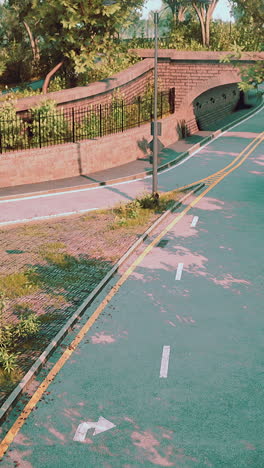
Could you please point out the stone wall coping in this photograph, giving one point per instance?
(203, 55)
(103, 87)
(107, 85)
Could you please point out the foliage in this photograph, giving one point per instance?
(2, 307)
(57, 84)
(89, 126)
(130, 215)
(10, 335)
(252, 75)
(107, 63)
(249, 17)
(14, 95)
(48, 124)
(248, 11)
(117, 115)
(178, 9)
(14, 41)
(38, 34)
(11, 128)
(35, 35)
(18, 283)
(139, 210)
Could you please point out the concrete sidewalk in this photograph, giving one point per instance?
(133, 170)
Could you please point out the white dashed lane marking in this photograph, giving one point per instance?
(194, 221)
(164, 362)
(179, 272)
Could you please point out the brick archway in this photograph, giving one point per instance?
(185, 109)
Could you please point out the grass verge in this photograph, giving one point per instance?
(48, 268)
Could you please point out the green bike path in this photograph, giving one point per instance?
(207, 411)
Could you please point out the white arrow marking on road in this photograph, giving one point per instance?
(100, 426)
(81, 431)
(179, 271)
(165, 362)
(194, 221)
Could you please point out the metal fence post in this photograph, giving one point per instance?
(39, 128)
(1, 147)
(122, 115)
(139, 108)
(172, 100)
(73, 126)
(100, 124)
(161, 96)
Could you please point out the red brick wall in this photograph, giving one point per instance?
(38, 165)
(191, 73)
(68, 160)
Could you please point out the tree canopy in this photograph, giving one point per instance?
(76, 32)
(82, 40)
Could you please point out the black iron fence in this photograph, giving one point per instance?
(37, 129)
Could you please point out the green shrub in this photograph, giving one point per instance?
(8, 360)
(57, 84)
(12, 129)
(89, 126)
(49, 124)
(19, 283)
(11, 335)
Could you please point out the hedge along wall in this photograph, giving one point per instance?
(130, 82)
(73, 159)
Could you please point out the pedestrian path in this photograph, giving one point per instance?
(180, 164)
(134, 169)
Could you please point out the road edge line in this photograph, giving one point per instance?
(35, 368)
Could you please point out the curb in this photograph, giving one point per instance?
(21, 387)
(205, 140)
(141, 175)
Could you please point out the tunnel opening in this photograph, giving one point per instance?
(215, 105)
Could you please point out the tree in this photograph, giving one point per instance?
(249, 15)
(248, 10)
(178, 9)
(251, 75)
(75, 32)
(204, 10)
(80, 32)
(17, 39)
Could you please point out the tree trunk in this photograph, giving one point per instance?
(201, 15)
(37, 50)
(209, 15)
(48, 77)
(33, 43)
(181, 13)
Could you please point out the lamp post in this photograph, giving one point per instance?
(155, 132)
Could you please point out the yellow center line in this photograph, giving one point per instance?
(8, 439)
(215, 174)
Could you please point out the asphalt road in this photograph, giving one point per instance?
(207, 160)
(198, 402)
